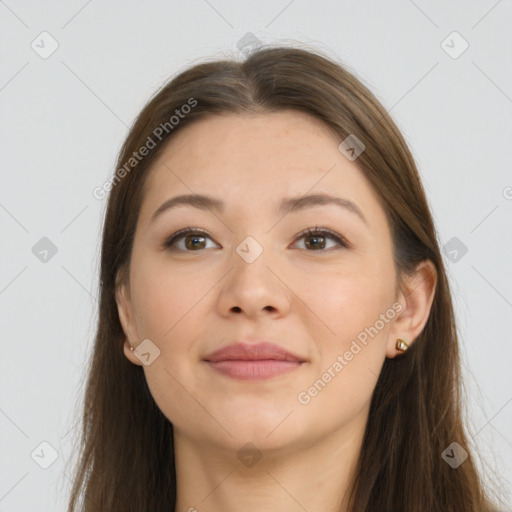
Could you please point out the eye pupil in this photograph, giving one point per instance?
(196, 240)
(315, 244)
(190, 240)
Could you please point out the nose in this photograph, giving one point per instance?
(253, 289)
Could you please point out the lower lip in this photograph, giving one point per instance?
(254, 370)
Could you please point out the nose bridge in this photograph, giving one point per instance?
(250, 250)
(251, 285)
(250, 261)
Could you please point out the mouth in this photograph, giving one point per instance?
(254, 370)
(244, 361)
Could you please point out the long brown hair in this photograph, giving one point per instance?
(126, 452)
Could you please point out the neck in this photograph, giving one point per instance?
(295, 477)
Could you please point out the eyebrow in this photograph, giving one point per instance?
(288, 205)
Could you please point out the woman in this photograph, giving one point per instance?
(276, 330)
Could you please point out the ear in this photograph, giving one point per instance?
(127, 319)
(416, 299)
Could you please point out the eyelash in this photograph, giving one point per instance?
(327, 233)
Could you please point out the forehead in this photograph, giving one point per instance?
(250, 161)
(278, 122)
(249, 140)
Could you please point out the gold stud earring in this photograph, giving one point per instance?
(401, 345)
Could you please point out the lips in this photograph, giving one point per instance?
(252, 352)
(255, 361)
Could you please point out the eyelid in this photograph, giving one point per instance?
(182, 232)
(342, 242)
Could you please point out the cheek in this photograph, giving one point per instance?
(353, 314)
(168, 309)
(164, 296)
(341, 304)
(349, 361)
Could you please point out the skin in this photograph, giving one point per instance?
(313, 302)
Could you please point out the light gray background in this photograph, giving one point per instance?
(64, 118)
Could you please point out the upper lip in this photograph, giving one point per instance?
(252, 352)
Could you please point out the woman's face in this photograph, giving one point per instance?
(252, 274)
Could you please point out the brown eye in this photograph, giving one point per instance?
(316, 239)
(194, 240)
